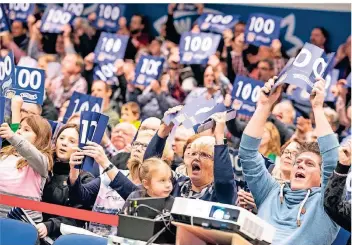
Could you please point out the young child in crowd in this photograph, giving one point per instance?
(156, 179)
(130, 112)
(24, 165)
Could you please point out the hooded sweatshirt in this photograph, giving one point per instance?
(298, 216)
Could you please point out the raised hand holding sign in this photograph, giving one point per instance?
(92, 128)
(110, 47)
(29, 84)
(149, 68)
(217, 23)
(82, 102)
(246, 92)
(195, 48)
(105, 72)
(20, 11)
(107, 16)
(262, 29)
(54, 19)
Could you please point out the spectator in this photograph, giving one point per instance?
(187, 158)
(151, 123)
(25, 164)
(309, 177)
(56, 190)
(19, 33)
(285, 112)
(103, 90)
(178, 144)
(122, 136)
(240, 27)
(320, 37)
(61, 88)
(335, 203)
(130, 112)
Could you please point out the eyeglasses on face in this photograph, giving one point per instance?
(202, 155)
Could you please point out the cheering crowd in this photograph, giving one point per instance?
(295, 159)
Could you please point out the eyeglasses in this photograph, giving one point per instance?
(202, 155)
(291, 153)
(139, 144)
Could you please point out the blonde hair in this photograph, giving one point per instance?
(144, 170)
(42, 130)
(274, 143)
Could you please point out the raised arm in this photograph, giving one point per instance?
(224, 179)
(335, 203)
(257, 176)
(327, 140)
(36, 160)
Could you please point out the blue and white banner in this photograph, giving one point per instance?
(20, 11)
(217, 23)
(107, 16)
(110, 47)
(301, 96)
(55, 18)
(310, 63)
(82, 102)
(4, 22)
(262, 29)
(195, 48)
(246, 92)
(29, 84)
(7, 73)
(149, 68)
(92, 128)
(105, 72)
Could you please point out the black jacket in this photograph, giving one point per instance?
(56, 191)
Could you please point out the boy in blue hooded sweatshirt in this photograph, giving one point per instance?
(296, 210)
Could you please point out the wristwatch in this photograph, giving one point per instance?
(111, 166)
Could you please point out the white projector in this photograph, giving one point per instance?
(218, 216)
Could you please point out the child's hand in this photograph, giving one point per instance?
(16, 103)
(6, 132)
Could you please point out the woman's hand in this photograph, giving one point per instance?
(42, 230)
(219, 131)
(97, 152)
(76, 158)
(6, 132)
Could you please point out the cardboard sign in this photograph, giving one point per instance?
(75, 8)
(4, 22)
(82, 102)
(262, 29)
(246, 92)
(217, 23)
(195, 48)
(92, 128)
(54, 19)
(149, 68)
(110, 47)
(7, 72)
(310, 63)
(20, 11)
(301, 96)
(29, 84)
(105, 72)
(107, 16)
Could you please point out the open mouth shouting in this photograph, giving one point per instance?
(62, 151)
(195, 167)
(300, 175)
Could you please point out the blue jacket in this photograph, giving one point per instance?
(316, 226)
(223, 189)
